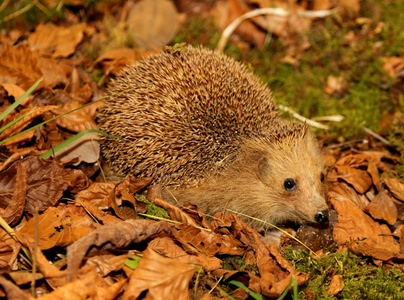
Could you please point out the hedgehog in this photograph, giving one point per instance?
(207, 129)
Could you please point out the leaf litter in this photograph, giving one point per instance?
(81, 230)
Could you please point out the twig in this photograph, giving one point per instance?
(266, 11)
(276, 227)
(376, 136)
(17, 13)
(35, 249)
(4, 5)
(303, 119)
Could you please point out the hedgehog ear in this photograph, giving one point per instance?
(263, 169)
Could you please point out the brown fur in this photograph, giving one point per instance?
(207, 129)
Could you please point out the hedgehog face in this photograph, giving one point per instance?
(292, 178)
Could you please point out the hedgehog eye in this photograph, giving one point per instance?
(290, 185)
(322, 177)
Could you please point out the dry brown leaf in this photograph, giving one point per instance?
(393, 65)
(175, 212)
(54, 277)
(359, 179)
(21, 278)
(341, 191)
(56, 228)
(396, 187)
(364, 235)
(116, 235)
(204, 241)
(123, 202)
(54, 72)
(275, 271)
(9, 249)
(114, 60)
(83, 288)
(227, 11)
(282, 273)
(160, 278)
(51, 40)
(374, 173)
(14, 142)
(111, 292)
(399, 232)
(19, 65)
(14, 91)
(334, 85)
(153, 22)
(15, 209)
(97, 194)
(12, 291)
(46, 182)
(84, 149)
(76, 121)
(336, 285)
(107, 263)
(382, 207)
(170, 248)
(24, 122)
(354, 160)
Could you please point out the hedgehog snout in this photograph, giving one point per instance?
(321, 216)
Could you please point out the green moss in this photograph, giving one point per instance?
(198, 31)
(361, 278)
(152, 209)
(238, 263)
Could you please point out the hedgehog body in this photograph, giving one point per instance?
(206, 128)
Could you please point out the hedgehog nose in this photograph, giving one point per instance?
(321, 216)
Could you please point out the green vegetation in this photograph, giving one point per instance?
(348, 49)
(152, 209)
(362, 279)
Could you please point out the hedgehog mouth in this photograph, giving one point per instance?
(301, 218)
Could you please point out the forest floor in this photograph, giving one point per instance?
(67, 233)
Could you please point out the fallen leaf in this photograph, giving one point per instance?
(374, 173)
(15, 209)
(12, 291)
(393, 65)
(363, 234)
(51, 40)
(116, 235)
(14, 91)
(175, 212)
(107, 263)
(359, 179)
(153, 22)
(382, 207)
(84, 149)
(207, 242)
(97, 194)
(85, 287)
(24, 122)
(56, 228)
(170, 248)
(396, 187)
(19, 65)
(54, 72)
(160, 278)
(9, 250)
(46, 182)
(334, 85)
(336, 285)
(76, 121)
(341, 191)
